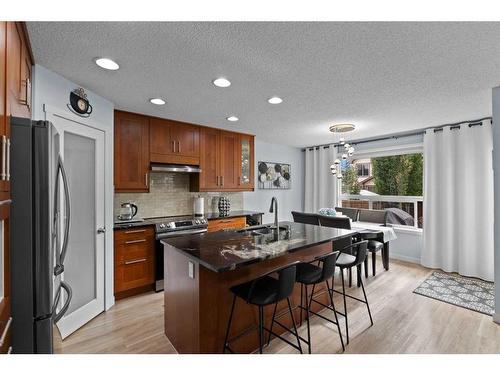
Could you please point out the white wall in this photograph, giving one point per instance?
(52, 90)
(496, 181)
(288, 200)
(408, 245)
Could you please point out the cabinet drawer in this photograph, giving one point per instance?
(134, 274)
(134, 234)
(133, 250)
(228, 223)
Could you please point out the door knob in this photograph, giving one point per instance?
(101, 230)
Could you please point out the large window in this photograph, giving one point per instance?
(392, 182)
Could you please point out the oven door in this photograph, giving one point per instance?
(159, 284)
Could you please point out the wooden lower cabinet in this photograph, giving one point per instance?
(134, 261)
(215, 225)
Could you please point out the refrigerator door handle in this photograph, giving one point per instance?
(67, 211)
(69, 293)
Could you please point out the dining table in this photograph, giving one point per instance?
(377, 232)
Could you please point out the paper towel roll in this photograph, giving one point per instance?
(199, 206)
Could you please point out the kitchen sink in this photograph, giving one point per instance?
(262, 230)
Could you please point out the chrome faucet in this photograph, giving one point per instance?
(274, 208)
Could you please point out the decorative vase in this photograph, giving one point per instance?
(224, 206)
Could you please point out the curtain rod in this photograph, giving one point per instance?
(455, 125)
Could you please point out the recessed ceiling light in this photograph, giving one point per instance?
(275, 100)
(106, 63)
(232, 118)
(157, 101)
(221, 82)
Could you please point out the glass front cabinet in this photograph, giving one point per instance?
(246, 151)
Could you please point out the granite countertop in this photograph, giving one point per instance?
(216, 215)
(156, 220)
(226, 250)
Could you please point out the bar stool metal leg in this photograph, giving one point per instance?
(366, 300)
(226, 345)
(294, 325)
(261, 328)
(272, 323)
(307, 319)
(330, 293)
(345, 306)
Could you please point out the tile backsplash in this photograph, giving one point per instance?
(169, 195)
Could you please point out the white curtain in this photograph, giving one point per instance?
(458, 200)
(320, 190)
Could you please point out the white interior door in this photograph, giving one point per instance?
(82, 151)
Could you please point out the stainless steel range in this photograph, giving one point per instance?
(175, 226)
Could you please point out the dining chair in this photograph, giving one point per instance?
(377, 217)
(305, 218)
(373, 216)
(334, 222)
(351, 213)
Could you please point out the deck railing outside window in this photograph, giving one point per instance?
(410, 204)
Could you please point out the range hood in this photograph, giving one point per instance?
(177, 168)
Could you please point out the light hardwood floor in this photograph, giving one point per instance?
(404, 322)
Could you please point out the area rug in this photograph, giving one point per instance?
(470, 293)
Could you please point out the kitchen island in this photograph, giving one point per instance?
(200, 269)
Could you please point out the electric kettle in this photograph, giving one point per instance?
(128, 211)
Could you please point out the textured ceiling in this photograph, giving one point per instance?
(383, 77)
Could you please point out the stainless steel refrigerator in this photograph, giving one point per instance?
(39, 227)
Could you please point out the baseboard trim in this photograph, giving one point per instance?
(496, 318)
(404, 258)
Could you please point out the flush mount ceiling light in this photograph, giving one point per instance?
(232, 118)
(106, 63)
(275, 100)
(342, 128)
(157, 101)
(221, 82)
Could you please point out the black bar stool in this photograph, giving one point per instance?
(309, 274)
(347, 261)
(263, 291)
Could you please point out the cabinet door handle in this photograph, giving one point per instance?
(147, 180)
(173, 146)
(134, 241)
(4, 157)
(225, 221)
(135, 261)
(5, 331)
(221, 180)
(135, 231)
(178, 146)
(7, 177)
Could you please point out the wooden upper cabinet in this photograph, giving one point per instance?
(226, 162)
(131, 152)
(174, 142)
(187, 138)
(229, 163)
(209, 178)
(246, 162)
(19, 66)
